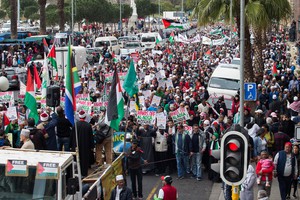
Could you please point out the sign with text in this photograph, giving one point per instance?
(47, 170)
(146, 117)
(11, 113)
(86, 106)
(155, 101)
(98, 105)
(16, 168)
(161, 120)
(179, 115)
(7, 97)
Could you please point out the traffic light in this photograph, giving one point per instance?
(234, 161)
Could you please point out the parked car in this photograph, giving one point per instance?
(12, 77)
(130, 47)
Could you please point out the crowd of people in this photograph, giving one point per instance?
(175, 148)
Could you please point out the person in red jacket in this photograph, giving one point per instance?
(265, 174)
(167, 192)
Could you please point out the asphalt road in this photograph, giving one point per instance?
(188, 188)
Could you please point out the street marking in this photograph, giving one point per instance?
(153, 190)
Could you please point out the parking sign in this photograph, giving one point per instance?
(250, 91)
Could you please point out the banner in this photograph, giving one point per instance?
(62, 102)
(98, 105)
(118, 142)
(83, 97)
(92, 85)
(146, 117)
(109, 76)
(206, 40)
(179, 115)
(189, 129)
(43, 103)
(219, 42)
(161, 120)
(7, 97)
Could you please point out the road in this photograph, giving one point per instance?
(188, 188)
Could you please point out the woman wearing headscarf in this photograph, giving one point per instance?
(247, 192)
(214, 145)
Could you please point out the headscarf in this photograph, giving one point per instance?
(250, 173)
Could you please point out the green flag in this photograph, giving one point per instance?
(130, 82)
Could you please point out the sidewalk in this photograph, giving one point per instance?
(217, 192)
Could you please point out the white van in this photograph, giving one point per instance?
(225, 80)
(62, 58)
(110, 41)
(148, 40)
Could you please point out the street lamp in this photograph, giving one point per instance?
(120, 17)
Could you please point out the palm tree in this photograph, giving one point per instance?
(42, 5)
(264, 12)
(256, 14)
(61, 14)
(14, 19)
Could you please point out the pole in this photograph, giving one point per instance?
(242, 56)
(235, 192)
(18, 13)
(181, 5)
(77, 159)
(120, 17)
(127, 113)
(230, 21)
(72, 24)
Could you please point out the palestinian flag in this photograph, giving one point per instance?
(171, 38)
(115, 108)
(194, 56)
(6, 125)
(114, 57)
(158, 39)
(30, 101)
(52, 59)
(46, 47)
(168, 23)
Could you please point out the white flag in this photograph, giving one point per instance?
(45, 77)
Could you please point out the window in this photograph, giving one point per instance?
(26, 187)
(102, 43)
(223, 83)
(148, 39)
(114, 42)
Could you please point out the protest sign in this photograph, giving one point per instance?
(109, 76)
(159, 65)
(162, 83)
(11, 113)
(169, 83)
(146, 117)
(7, 97)
(92, 85)
(132, 107)
(142, 101)
(189, 129)
(83, 97)
(85, 105)
(43, 103)
(161, 120)
(147, 93)
(62, 102)
(98, 105)
(155, 101)
(179, 115)
(22, 88)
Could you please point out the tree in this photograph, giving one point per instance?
(42, 5)
(167, 6)
(145, 8)
(61, 14)
(14, 19)
(29, 11)
(51, 15)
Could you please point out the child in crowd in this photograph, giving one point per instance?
(266, 162)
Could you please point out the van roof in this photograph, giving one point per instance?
(33, 157)
(227, 71)
(150, 34)
(106, 38)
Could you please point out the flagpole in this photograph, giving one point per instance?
(127, 113)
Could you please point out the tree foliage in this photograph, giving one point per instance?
(145, 8)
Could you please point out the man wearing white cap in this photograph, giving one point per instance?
(121, 192)
(24, 137)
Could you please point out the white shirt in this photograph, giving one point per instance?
(118, 191)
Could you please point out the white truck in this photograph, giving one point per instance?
(129, 48)
(175, 15)
(26, 174)
(62, 59)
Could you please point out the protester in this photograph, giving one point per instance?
(247, 192)
(121, 192)
(27, 143)
(167, 192)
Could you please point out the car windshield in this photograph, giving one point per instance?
(223, 83)
(148, 39)
(236, 62)
(6, 26)
(102, 43)
(132, 45)
(15, 187)
(10, 72)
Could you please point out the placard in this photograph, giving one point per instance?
(189, 129)
(43, 103)
(86, 106)
(98, 105)
(161, 120)
(146, 117)
(155, 101)
(169, 83)
(132, 107)
(11, 113)
(7, 97)
(179, 115)
(16, 168)
(47, 170)
(62, 102)
(142, 101)
(146, 93)
(92, 85)
(83, 97)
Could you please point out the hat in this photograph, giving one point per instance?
(273, 114)
(44, 117)
(128, 136)
(274, 96)
(295, 98)
(167, 178)
(258, 111)
(103, 109)
(206, 122)
(82, 114)
(215, 122)
(134, 141)
(119, 178)
(288, 144)
(25, 133)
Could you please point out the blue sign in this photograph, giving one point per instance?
(250, 91)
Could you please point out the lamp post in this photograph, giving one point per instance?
(120, 17)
